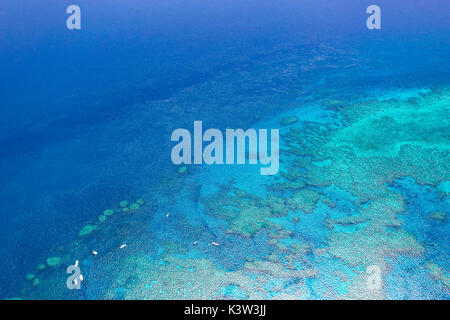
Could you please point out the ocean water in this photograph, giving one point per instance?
(359, 208)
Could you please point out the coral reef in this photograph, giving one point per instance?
(377, 142)
(305, 200)
(30, 276)
(108, 212)
(41, 266)
(245, 214)
(87, 229)
(182, 170)
(438, 215)
(123, 204)
(438, 274)
(53, 261)
(331, 213)
(102, 218)
(289, 120)
(175, 278)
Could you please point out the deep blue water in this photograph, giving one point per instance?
(86, 115)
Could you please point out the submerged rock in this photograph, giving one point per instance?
(288, 120)
(30, 276)
(102, 218)
(108, 212)
(333, 103)
(182, 170)
(438, 215)
(53, 261)
(41, 266)
(134, 206)
(123, 204)
(87, 229)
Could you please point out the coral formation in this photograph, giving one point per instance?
(29, 276)
(108, 212)
(175, 278)
(339, 173)
(134, 206)
(245, 213)
(289, 120)
(123, 204)
(438, 215)
(378, 142)
(53, 261)
(41, 266)
(438, 274)
(87, 229)
(305, 200)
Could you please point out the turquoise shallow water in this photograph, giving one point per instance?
(364, 170)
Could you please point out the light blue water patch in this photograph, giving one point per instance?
(445, 186)
(233, 292)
